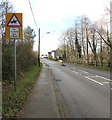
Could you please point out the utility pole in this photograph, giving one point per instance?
(39, 45)
(39, 48)
(111, 57)
(87, 57)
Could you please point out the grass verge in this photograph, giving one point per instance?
(54, 59)
(13, 101)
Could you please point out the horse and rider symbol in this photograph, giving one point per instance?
(14, 21)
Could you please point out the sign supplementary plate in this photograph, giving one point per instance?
(14, 32)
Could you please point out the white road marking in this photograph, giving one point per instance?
(94, 80)
(75, 72)
(83, 71)
(88, 77)
(92, 76)
(104, 78)
(106, 82)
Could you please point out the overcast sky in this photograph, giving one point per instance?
(56, 16)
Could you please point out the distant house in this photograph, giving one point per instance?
(53, 53)
(49, 55)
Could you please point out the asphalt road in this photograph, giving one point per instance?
(85, 91)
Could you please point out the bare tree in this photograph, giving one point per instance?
(82, 35)
(93, 38)
(6, 7)
(93, 42)
(86, 27)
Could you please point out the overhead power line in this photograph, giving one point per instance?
(33, 15)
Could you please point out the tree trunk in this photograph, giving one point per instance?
(87, 57)
(101, 55)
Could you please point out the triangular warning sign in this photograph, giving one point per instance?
(14, 21)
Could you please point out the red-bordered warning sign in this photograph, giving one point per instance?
(14, 21)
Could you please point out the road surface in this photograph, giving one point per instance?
(85, 92)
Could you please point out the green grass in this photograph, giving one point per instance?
(13, 101)
(54, 59)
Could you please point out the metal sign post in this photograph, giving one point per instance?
(15, 65)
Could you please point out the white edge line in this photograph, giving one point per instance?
(94, 80)
(104, 78)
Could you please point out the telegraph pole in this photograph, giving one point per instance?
(111, 59)
(87, 57)
(39, 48)
(39, 45)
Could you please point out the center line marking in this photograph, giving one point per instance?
(106, 82)
(103, 78)
(75, 72)
(94, 80)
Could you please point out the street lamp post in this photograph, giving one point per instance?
(39, 46)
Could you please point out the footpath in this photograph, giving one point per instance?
(42, 102)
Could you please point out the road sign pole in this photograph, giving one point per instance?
(14, 31)
(15, 65)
